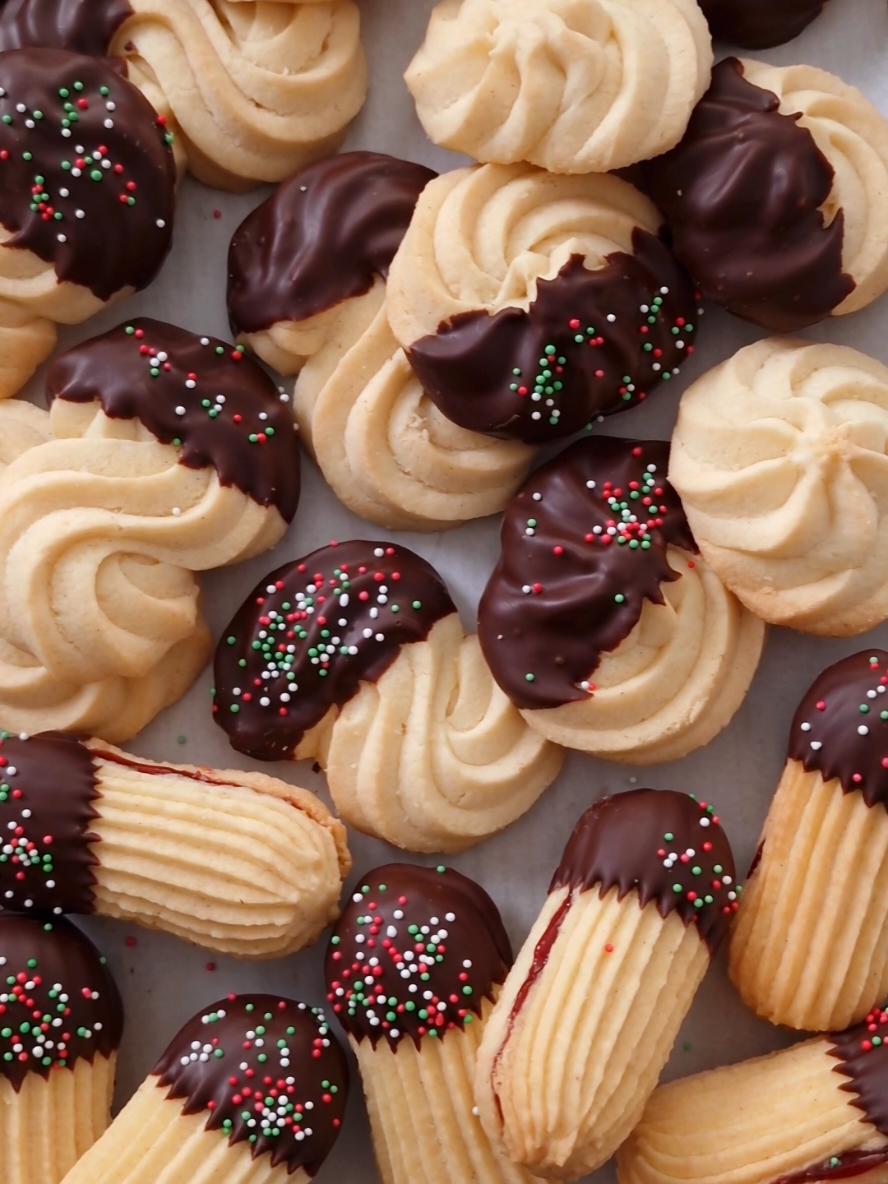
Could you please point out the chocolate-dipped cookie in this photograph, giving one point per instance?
(413, 967)
(86, 828)
(808, 949)
(759, 24)
(813, 1112)
(601, 622)
(83, 26)
(254, 1087)
(531, 333)
(773, 220)
(61, 1021)
(636, 909)
(184, 458)
(354, 656)
(87, 182)
(307, 277)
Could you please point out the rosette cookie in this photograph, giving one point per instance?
(601, 622)
(590, 1011)
(355, 657)
(574, 86)
(252, 90)
(171, 454)
(307, 273)
(759, 24)
(413, 968)
(777, 197)
(808, 949)
(236, 861)
(528, 303)
(251, 1091)
(813, 1112)
(61, 1021)
(779, 456)
(87, 182)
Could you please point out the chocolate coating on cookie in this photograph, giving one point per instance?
(48, 791)
(266, 1070)
(591, 343)
(666, 846)
(311, 632)
(84, 26)
(195, 392)
(87, 178)
(583, 547)
(322, 237)
(742, 194)
(759, 24)
(840, 729)
(58, 1001)
(431, 943)
(862, 1055)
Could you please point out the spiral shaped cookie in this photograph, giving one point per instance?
(198, 1116)
(415, 1011)
(777, 197)
(307, 288)
(529, 303)
(170, 454)
(759, 24)
(601, 622)
(22, 426)
(56, 1074)
(779, 457)
(355, 657)
(87, 182)
(590, 1011)
(808, 950)
(574, 86)
(813, 1112)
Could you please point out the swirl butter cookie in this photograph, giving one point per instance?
(777, 197)
(306, 291)
(574, 86)
(252, 1090)
(354, 656)
(588, 1015)
(169, 454)
(528, 303)
(236, 861)
(816, 1111)
(87, 183)
(759, 24)
(601, 622)
(413, 968)
(808, 949)
(61, 1020)
(252, 90)
(778, 455)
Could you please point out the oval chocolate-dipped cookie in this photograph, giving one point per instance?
(601, 622)
(759, 24)
(84, 26)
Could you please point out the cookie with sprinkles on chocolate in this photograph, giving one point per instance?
(87, 184)
(530, 304)
(354, 656)
(637, 908)
(808, 950)
(413, 968)
(814, 1112)
(601, 621)
(61, 1021)
(87, 828)
(252, 1089)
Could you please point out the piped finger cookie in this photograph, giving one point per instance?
(589, 1012)
(235, 861)
(355, 657)
(252, 1090)
(61, 1021)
